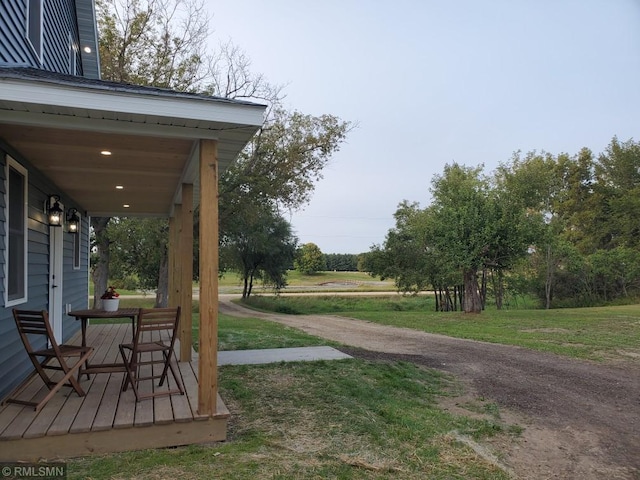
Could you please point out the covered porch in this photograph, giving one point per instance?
(107, 420)
(123, 150)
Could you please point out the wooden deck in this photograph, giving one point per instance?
(106, 420)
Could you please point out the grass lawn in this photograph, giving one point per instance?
(599, 333)
(321, 281)
(357, 419)
(348, 419)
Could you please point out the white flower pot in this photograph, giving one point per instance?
(110, 304)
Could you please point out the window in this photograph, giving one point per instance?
(34, 26)
(73, 67)
(16, 218)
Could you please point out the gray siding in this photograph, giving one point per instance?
(14, 48)
(58, 22)
(14, 364)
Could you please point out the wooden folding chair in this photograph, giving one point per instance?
(31, 325)
(155, 333)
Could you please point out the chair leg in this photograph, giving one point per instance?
(131, 368)
(70, 371)
(170, 366)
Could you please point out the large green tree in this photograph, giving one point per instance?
(283, 161)
(533, 187)
(260, 245)
(309, 259)
(475, 225)
(617, 187)
(139, 249)
(464, 225)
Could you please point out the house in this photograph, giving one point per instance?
(99, 148)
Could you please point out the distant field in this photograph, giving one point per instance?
(345, 281)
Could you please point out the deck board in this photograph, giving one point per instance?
(111, 336)
(71, 425)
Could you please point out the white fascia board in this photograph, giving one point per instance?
(106, 125)
(203, 109)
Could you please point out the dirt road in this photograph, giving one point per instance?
(582, 420)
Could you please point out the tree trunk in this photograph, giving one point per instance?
(435, 294)
(498, 288)
(455, 298)
(250, 284)
(548, 284)
(449, 303)
(471, 301)
(483, 289)
(245, 289)
(162, 293)
(100, 270)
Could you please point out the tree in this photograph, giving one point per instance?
(617, 184)
(160, 43)
(341, 262)
(309, 259)
(140, 253)
(100, 259)
(411, 259)
(579, 205)
(260, 245)
(402, 257)
(463, 226)
(528, 191)
(283, 161)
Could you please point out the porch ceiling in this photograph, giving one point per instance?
(61, 125)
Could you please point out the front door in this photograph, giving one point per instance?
(56, 240)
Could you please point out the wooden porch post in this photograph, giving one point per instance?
(174, 251)
(208, 350)
(186, 272)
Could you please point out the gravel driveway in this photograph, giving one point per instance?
(581, 419)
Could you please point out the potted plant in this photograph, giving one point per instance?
(110, 300)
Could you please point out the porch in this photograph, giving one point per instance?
(107, 420)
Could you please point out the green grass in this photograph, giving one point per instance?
(333, 304)
(598, 333)
(248, 333)
(349, 419)
(359, 419)
(321, 281)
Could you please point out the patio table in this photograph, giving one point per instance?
(84, 316)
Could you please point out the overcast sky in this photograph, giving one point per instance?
(432, 82)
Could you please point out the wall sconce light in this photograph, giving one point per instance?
(54, 211)
(73, 221)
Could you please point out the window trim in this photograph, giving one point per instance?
(10, 163)
(37, 49)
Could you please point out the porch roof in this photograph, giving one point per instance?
(62, 123)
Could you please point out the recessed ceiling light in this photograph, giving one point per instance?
(87, 49)
(126, 205)
(105, 152)
(119, 187)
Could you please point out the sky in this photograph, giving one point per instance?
(432, 82)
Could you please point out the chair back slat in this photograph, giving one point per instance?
(157, 319)
(33, 322)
